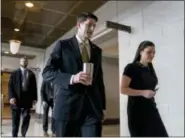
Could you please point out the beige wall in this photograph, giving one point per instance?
(111, 81)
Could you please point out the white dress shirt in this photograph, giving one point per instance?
(22, 72)
(81, 47)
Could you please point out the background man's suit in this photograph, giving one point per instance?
(74, 102)
(24, 99)
(47, 95)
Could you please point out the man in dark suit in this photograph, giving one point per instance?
(79, 104)
(22, 92)
(47, 102)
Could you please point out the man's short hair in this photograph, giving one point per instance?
(84, 16)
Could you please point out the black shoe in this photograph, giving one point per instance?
(46, 134)
(53, 135)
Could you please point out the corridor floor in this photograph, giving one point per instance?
(35, 129)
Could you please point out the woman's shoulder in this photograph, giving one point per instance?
(131, 66)
(130, 70)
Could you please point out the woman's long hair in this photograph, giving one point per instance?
(141, 47)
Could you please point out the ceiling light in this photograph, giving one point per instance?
(16, 29)
(29, 4)
(6, 52)
(14, 46)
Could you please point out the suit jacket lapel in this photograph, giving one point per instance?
(28, 77)
(92, 51)
(93, 57)
(76, 50)
(19, 80)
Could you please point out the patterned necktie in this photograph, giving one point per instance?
(85, 56)
(25, 80)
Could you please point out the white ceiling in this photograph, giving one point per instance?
(23, 49)
(108, 42)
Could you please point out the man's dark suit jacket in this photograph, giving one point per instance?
(46, 91)
(65, 61)
(15, 89)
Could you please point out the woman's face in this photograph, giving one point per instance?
(148, 54)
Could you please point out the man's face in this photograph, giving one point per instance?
(86, 28)
(24, 62)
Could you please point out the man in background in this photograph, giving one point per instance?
(22, 92)
(47, 95)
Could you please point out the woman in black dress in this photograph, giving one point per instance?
(139, 83)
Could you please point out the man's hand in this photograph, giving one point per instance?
(13, 101)
(44, 103)
(34, 102)
(83, 78)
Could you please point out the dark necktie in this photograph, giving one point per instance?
(25, 80)
(85, 56)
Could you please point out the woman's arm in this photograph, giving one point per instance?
(125, 89)
(125, 82)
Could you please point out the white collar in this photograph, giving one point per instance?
(22, 69)
(80, 40)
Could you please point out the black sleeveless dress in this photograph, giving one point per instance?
(143, 116)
